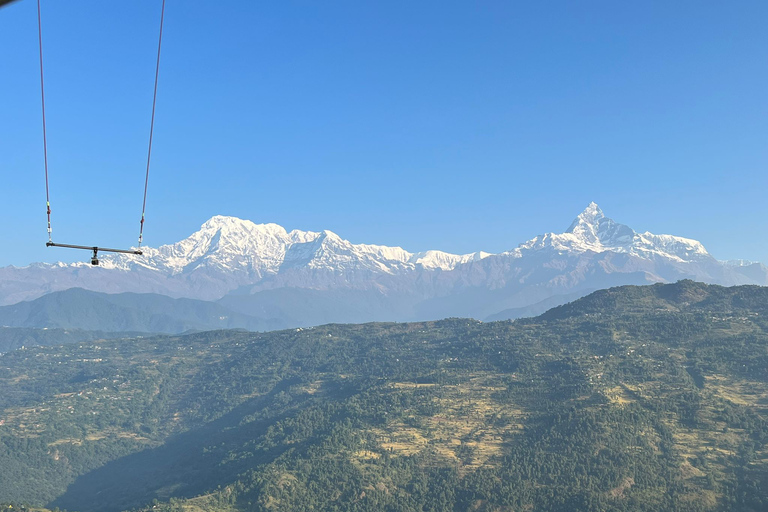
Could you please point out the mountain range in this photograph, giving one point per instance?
(263, 276)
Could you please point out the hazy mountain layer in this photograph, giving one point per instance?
(301, 278)
(123, 312)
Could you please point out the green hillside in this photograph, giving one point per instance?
(12, 338)
(635, 398)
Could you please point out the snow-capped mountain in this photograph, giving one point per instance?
(303, 277)
(233, 245)
(593, 232)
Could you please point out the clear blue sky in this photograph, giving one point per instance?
(459, 126)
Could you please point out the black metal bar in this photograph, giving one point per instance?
(3, 2)
(93, 248)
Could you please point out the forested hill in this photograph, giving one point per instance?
(636, 398)
(684, 296)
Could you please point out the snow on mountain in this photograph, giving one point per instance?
(229, 244)
(294, 277)
(592, 231)
(445, 261)
(593, 228)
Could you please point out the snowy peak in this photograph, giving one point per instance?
(241, 247)
(587, 219)
(234, 245)
(673, 247)
(431, 260)
(594, 228)
(592, 231)
(223, 243)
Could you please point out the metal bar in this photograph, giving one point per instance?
(3, 2)
(93, 248)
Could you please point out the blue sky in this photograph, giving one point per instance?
(448, 125)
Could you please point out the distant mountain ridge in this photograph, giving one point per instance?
(124, 312)
(297, 278)
(233, 245)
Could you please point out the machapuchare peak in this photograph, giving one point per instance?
(594, 228)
